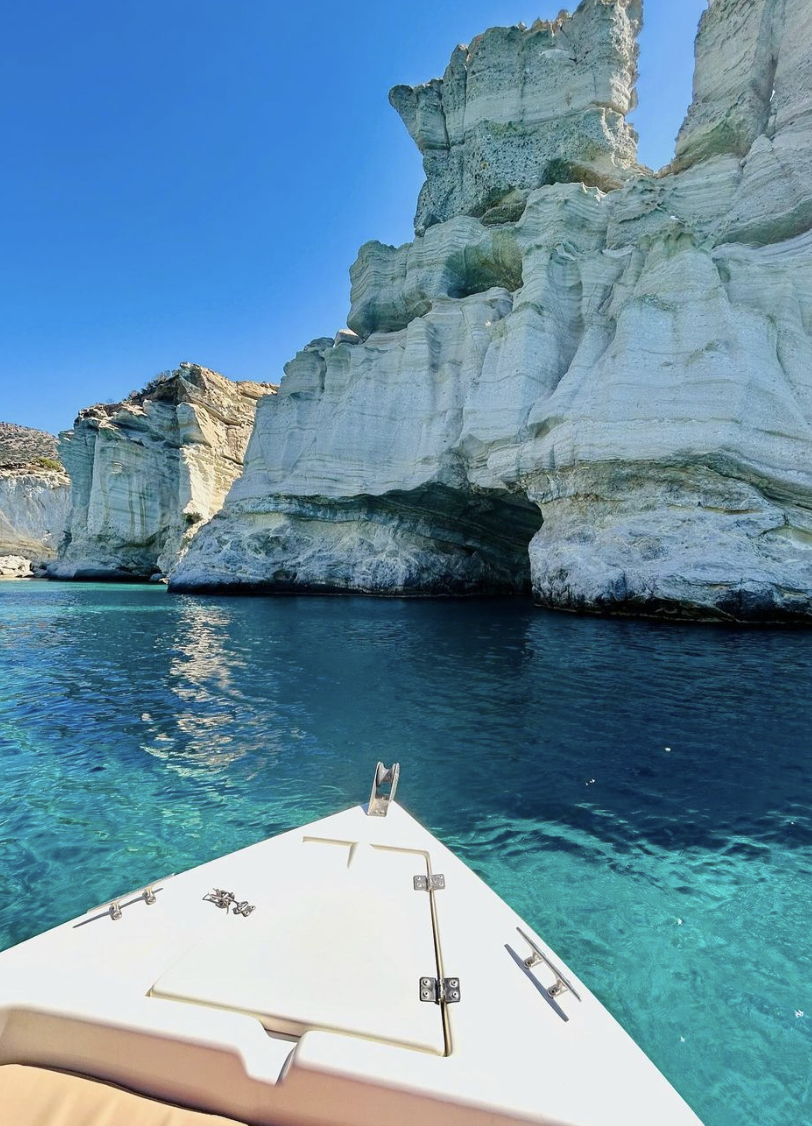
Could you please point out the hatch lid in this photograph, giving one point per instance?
(338, 943)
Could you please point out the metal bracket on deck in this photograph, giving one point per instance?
(228, 900)
(429, 883)
(440, 991)
(379, 802)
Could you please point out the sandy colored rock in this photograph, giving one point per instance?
(147, 473)
(34, 506)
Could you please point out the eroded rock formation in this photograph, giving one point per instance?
(517, 108)
(34, 499)
(602, 394)
(147, 473)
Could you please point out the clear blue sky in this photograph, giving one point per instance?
(191, 179)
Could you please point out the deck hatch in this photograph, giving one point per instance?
(338, 946)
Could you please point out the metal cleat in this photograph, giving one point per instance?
(539, 958)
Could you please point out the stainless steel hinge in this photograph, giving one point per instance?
(442, 991)
(429, 883)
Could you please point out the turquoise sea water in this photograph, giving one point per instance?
(639, 792)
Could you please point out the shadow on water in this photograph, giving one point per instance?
(639, 791)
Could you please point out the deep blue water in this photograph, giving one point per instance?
(639, 792)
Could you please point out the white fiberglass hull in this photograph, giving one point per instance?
(308, 1010)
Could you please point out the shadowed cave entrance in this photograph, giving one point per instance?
(460, 543)
(434, 541)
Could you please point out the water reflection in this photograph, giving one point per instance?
(195, 732)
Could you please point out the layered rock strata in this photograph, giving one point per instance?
(34, 499)
(521, 107)
(607, 399)
(147, 473)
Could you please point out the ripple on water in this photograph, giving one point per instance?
(640, 793)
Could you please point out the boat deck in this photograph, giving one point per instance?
(333, 1001)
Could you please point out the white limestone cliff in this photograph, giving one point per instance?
(15, 567)
(521, 107)
(34, 505)
(607, 399)
(147, 473)
(34, 499)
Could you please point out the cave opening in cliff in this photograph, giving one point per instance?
(475, 270)
(464, 542)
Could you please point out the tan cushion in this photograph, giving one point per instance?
(35, 1096)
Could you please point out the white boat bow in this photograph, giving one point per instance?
(347, 973)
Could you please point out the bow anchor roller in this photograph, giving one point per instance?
(378, 800)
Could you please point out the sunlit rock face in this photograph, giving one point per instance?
(34, 505)
(381, 502)
(34, 499)
(147, 473)
(15, 567)
(753, 105)
(607, 399)
(520, 107)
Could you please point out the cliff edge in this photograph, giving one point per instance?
(34, 499)
(147, 473)
(582, 378)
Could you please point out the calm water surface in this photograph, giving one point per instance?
(640, 793)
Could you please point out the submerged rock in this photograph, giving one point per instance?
(147, 473)
(605, 396)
